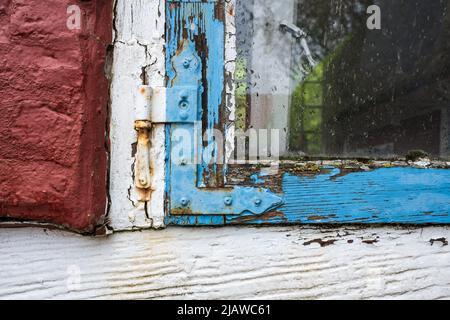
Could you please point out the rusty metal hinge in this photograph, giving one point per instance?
(143, 126)
(173, 105)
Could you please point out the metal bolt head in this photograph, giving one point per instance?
(228, 201)
(183, 105)
(143, 181)
(186, 63)
(257, 202)
(184, 202)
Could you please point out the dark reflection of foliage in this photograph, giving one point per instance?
(382, 92)
(384, 87)
(328, 22)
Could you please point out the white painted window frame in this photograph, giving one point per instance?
(138, 52)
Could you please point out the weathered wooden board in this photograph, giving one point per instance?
(228, 263)
(320, 194)
(195, 32)
(388, 195)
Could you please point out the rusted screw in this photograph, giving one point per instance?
(184, 202)
(186, 63)
(257, 202)
(143, 181)
(228, 201)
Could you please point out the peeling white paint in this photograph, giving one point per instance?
(195, 263)
(230, 68)
(138, 52)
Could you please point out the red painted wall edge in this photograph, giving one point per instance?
(53, 112)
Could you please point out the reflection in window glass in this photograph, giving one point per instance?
(340, 81)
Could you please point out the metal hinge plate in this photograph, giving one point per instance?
(180, 106)
(174, 105)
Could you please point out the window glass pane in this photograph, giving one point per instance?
(345, 78)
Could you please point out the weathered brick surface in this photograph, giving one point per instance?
(53, 110)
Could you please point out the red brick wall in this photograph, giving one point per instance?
(53, 112)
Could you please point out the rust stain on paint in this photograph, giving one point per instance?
(260, 217)
(321, 217)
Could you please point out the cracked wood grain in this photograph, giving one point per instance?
(229, 263)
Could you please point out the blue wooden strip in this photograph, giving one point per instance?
(195, 23)
(186, 63)
(214, 31)
(388, 195)
(195, 220)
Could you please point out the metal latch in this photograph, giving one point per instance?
(174, 105)
(143, 126)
